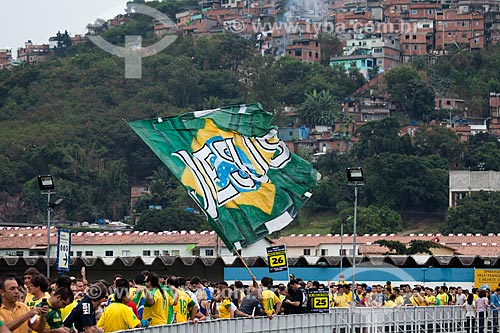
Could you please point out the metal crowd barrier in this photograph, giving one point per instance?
(438, 319)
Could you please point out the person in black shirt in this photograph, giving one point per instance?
(251, 304)
(293, 302)
(82, 317)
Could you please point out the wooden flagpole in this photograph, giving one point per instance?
(254, 279)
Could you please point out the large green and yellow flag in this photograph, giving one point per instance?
(234, 166)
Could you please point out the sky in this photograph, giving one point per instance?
(37, 20)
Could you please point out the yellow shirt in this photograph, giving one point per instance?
(224, 307)
(400, 300)
(158, 312)
(117, 317)
(19, 310)
(443, 298)
(415, 300)
(31, 301)
(431, 300)
(269, 299)
(390, 304)
(183, 304)
(341, 301)
(67, 309)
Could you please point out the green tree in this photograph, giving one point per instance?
(439, 141)
(395, 247)
(169, 219)
(331, 47)
(415, 246)
(381, 136)
(411, 95)
(320, 109)
(163, 191)
(407, 183)
(484, 157)
(371, 219)
(477, 213)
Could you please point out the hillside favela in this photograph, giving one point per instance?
(253, 166)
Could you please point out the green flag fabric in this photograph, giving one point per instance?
(234, 166)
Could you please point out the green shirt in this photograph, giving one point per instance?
(53, 318)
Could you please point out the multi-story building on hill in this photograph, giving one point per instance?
(33, 54)
(457, 29)
(5, 58)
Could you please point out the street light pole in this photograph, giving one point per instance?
(48, 234)
(354, 177)
(341, 245)
(46, 185)
(354, 245)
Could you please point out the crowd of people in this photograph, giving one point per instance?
(67, 304)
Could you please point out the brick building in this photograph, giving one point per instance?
(33, 54)
(453, 28)
(5, 58)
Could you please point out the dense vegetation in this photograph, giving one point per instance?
(68, 117)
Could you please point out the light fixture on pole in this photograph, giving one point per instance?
(355, 178)
(46, 185)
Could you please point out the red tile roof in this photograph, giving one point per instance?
(465, 244)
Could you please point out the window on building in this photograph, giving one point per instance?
(414, 37)
(175, 253)
(209, 253)
(324, 252)
(377, 50)
(464, 35)
(413, 12)
(476, 40)
(108, 253)
(298, 53)
(196, 252)
(316, 55)
(78, 253)
(416, 47)
(88, 253)
(157, 253)
(426, 26)
(342, 252)
(70, 253)
(407, 36)
(166, 252)
(407, 47)
(19, 253)
(125, 253)
(146, 253)
(307, 252)
(430, 11)
(464, 23)
(310, 54)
